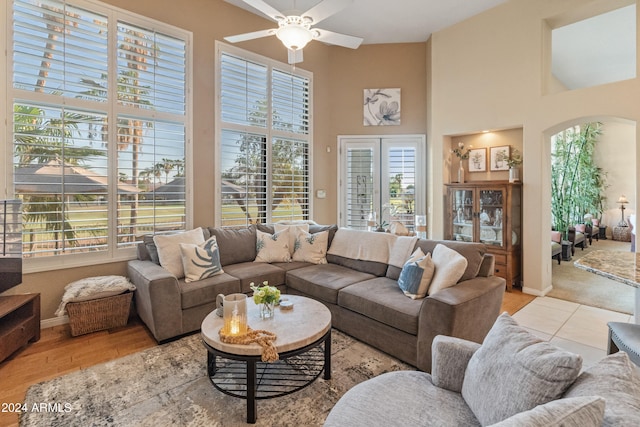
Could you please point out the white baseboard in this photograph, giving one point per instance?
(537, 292)
(54, 321)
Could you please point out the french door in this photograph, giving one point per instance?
(381, 175)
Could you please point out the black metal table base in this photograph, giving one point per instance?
(247, 377)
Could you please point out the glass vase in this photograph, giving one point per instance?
(267, 310)
(461, 173)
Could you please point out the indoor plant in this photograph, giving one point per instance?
(461, 154)
(266, 297)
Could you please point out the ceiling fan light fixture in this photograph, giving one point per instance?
(294, 36)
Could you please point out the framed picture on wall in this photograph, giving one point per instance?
(498, 158)
(478, 160)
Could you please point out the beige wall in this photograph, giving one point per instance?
(487, 73)
(340, 75)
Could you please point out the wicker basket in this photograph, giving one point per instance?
(99, 314)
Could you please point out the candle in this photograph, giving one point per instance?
(234, 326)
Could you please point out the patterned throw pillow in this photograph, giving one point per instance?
(309, 247)
(416, 275)
(272, 247)
(200, 261)
(450, 267)
(293, 232)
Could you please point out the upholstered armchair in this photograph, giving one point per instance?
(576, 236)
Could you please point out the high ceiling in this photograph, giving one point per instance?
(598, 51)
(384, 21)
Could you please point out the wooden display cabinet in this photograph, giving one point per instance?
(488, 212)
(19, 322)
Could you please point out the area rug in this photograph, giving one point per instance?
(571, 283)
(168, 385)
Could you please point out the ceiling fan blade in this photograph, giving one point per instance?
(337, 39)
(250, 36)
(265, 9)
(325, 9)
(295, 56)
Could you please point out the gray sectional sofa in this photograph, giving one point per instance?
(363, 296)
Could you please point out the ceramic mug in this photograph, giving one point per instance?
(220, 304)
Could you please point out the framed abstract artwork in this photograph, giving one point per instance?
(382, 107)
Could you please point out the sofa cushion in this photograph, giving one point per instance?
(473, 252)
(317, 228)
(272, 247)
(616, 379)
(311, 247)
(152, 250)
(205, 291)
(236, 244)
(256, 272)
(449, 268)
(380, 299)
(571, 412)
(416, 275)
(323, 281)
(200, 261)
(514, 371)
(169, 249)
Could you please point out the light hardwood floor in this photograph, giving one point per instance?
(58, 353)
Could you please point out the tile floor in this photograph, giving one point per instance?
(577, 328)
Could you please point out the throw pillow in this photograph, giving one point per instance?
(93, 288)
(311, 247)
(514, 371)
(614, 378)
(416, 275)
(556, 236)
(293, 232)
(575, 411)
(169, 249)
(450, 267)
(272, 247)
(200, 261)
(580, 228)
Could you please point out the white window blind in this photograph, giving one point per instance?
(265, 141)
(99, 142)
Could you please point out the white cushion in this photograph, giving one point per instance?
(272, 247)
(311, 247)
(571, 412)
(169, 249)
(200, 261)
(92, 288)
(416, 275)
(293, 232)
(450, 267)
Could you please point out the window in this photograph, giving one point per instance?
(100, 124)
(265, 139)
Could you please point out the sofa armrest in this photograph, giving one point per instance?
(451, 356)
(158, 300)
(467, 310)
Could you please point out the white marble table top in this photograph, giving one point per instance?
(306, 323)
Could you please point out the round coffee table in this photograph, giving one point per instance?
(237, 370)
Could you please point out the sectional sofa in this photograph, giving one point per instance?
(359, 285)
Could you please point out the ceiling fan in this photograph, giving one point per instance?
(295, 30)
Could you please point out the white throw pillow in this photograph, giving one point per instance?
(272, 247)
(200, 261)
(311, 247)
(293, 232)
(450, 267)
(416, 275)
(169, 249)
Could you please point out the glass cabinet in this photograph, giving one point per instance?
(488, 212)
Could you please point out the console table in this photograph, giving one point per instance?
(19, 322)
(620, 266)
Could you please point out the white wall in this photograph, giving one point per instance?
(489, 73)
